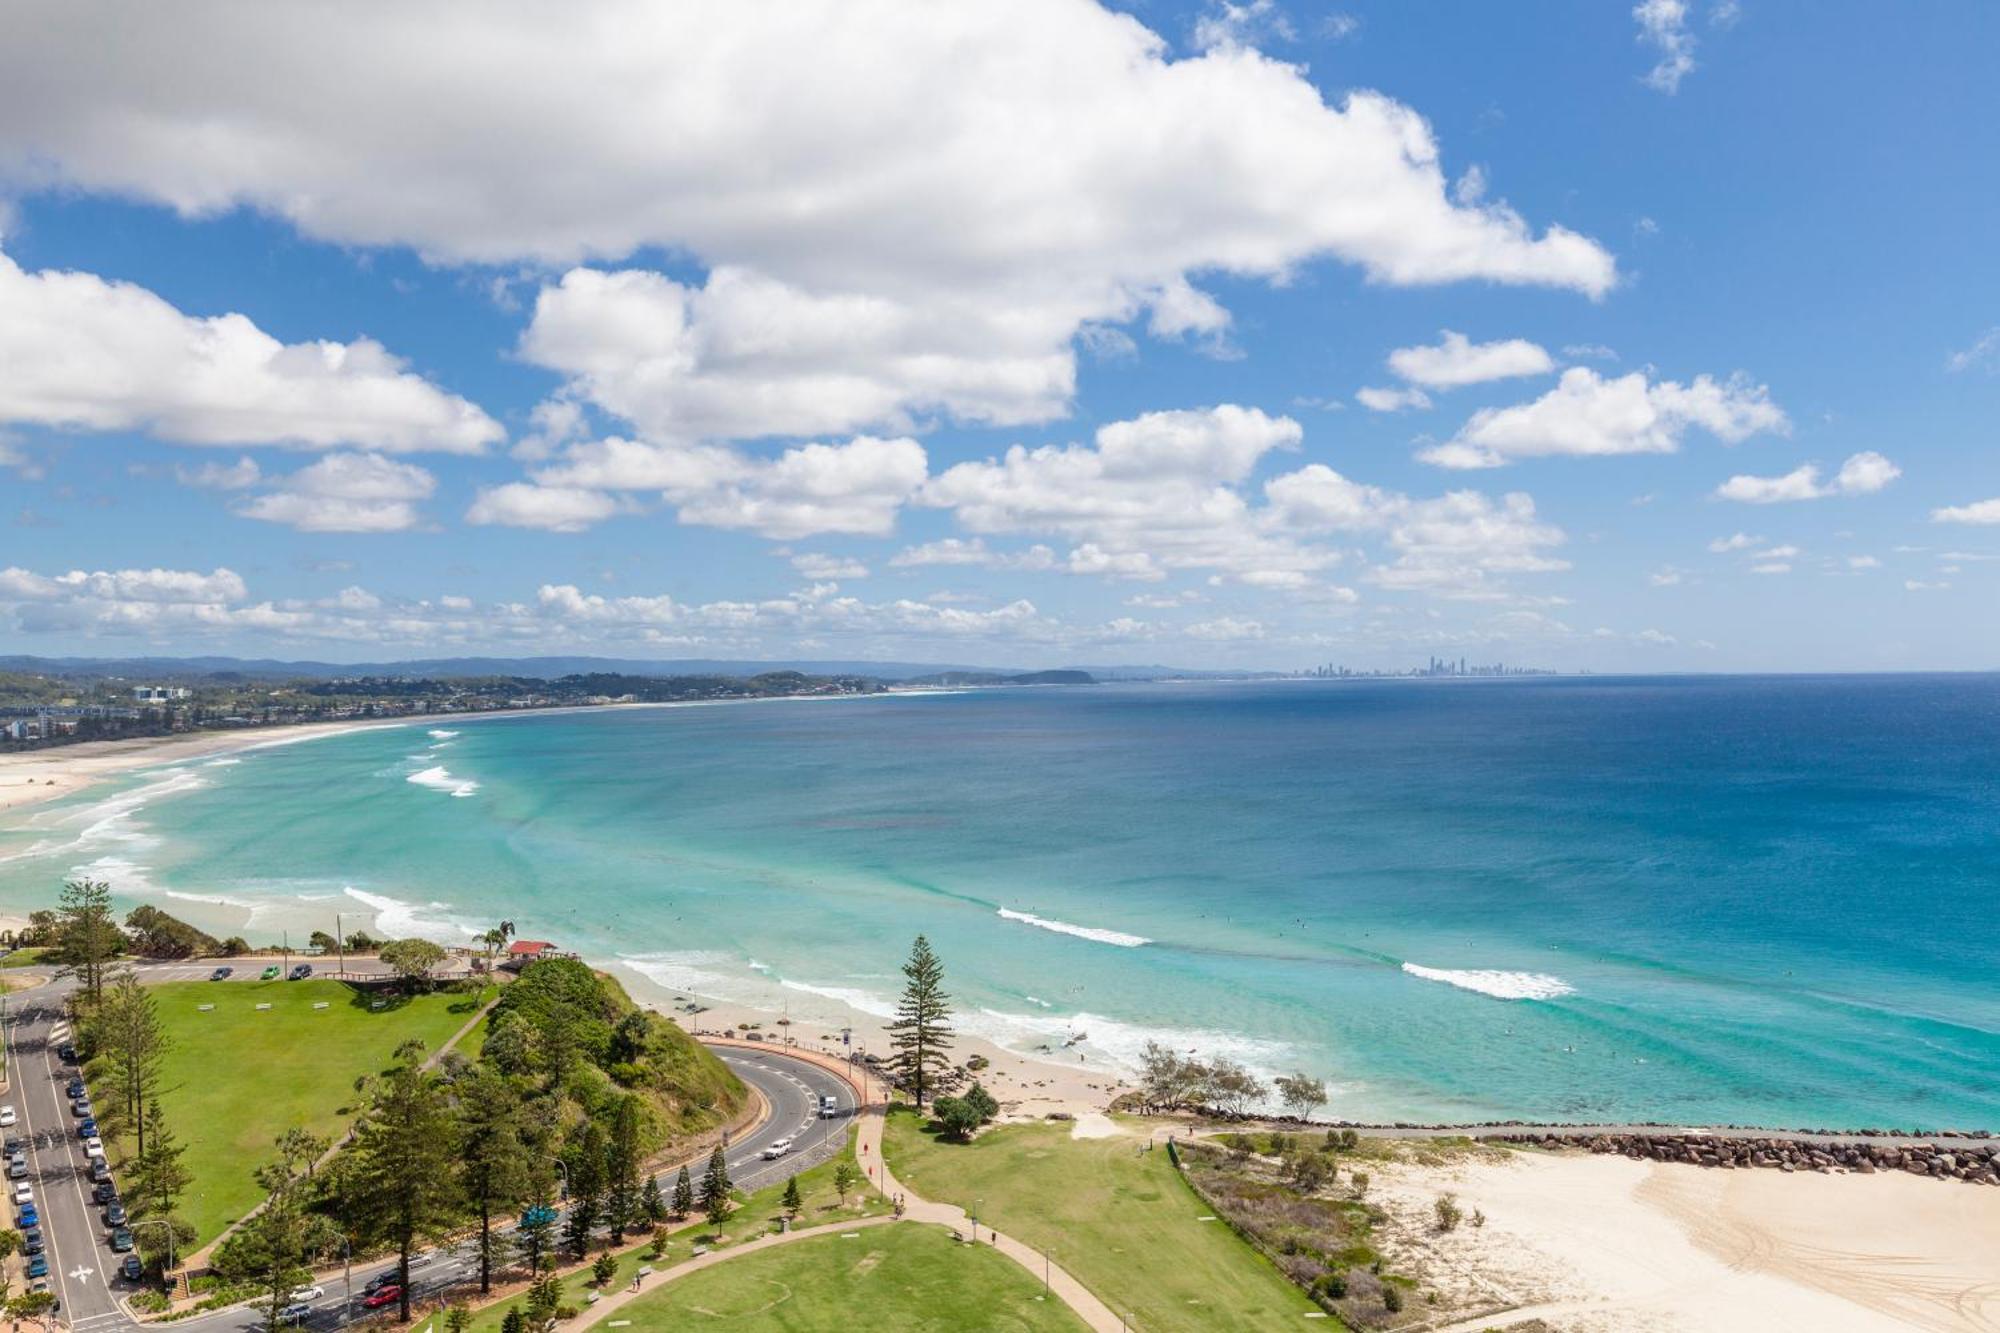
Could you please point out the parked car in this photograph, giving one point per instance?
(77, 1088)
(132, 1268)
(302, 971)
(88, 1128)
(379, 1281)
(121, 1240)
(17, 1167)
(222, 974)
(67, 1052)
(105, 1192)
(269, 974)
(114, 1214)
(99, 1171)
(27, 1217)
(7, 1116)
(93, 1146)
(31, 1240)
(776, 1150)
(294, 1314)
(81, 1109)
(23, 1192)
(38, 1266)
(14, 1144)
(388, 1295)
(308, 1294)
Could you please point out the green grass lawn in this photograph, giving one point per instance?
(899, 1277)
(1124, 1223)
(237, 1077)
(24, 957)
(755, 1215)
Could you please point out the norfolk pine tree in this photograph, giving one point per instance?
(404, 1182)
(919, 1035)
(683, 1194)
(715, 1200)
(493, 1156)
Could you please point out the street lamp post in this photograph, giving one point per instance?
(160, 1222)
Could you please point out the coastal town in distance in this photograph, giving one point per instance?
(789, 666)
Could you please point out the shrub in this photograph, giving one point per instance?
(1448, 1212)
(604, 1269)
(1333, 1285)
(1392, 1297)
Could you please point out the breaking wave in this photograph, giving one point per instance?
(439, 778)
(1499, 984)
(1117, 937)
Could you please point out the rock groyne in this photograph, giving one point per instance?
(1977, 1164)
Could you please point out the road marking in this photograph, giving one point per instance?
(82, 1272)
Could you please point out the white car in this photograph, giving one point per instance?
(307, 1294)
(777, 1150)
(93, 1147)
(7, 1116)
(22, 1193)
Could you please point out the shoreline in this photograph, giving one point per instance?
(1027, 1088)
(36, 777)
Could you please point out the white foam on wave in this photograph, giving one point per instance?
(867, 1002)
(1117, 937)
(302, 737)
(1501, 985)
(440, 734)
(214, 900)
(1103, 1040)
(227, 761)
(438, 778)
(396, 919)
(687, 971)
(110, 827)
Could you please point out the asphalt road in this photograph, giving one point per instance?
(82, 1267)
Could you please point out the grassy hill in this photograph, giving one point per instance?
(559, 1011)
(1121, 1220)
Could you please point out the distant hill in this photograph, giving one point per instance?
(553, 668)
(1004, 678)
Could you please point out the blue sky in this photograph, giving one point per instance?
(707, 331)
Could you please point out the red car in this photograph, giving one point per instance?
(388, 1295)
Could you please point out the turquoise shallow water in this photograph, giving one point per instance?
(1753, 900)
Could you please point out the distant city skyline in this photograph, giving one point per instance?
(1229, 335)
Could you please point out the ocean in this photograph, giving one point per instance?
(1752, 900)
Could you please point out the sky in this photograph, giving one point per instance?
(1569, 335)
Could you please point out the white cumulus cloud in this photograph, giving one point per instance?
(896, 210)
(346, 492)
(1862, 474)
(84, 353)
(1588, 415)
(1456, 361)
(1982, 511)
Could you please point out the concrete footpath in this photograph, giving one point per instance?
(868, 1151)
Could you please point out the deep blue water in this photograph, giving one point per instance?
(1760, 900)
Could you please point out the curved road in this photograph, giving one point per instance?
(82, 1268)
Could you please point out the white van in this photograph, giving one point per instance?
(777, 1150)
(829, 1107)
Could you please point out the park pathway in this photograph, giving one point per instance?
(868, 1151)
(647, 1283)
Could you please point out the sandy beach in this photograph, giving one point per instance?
(1601, 1244)
(32, 777)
